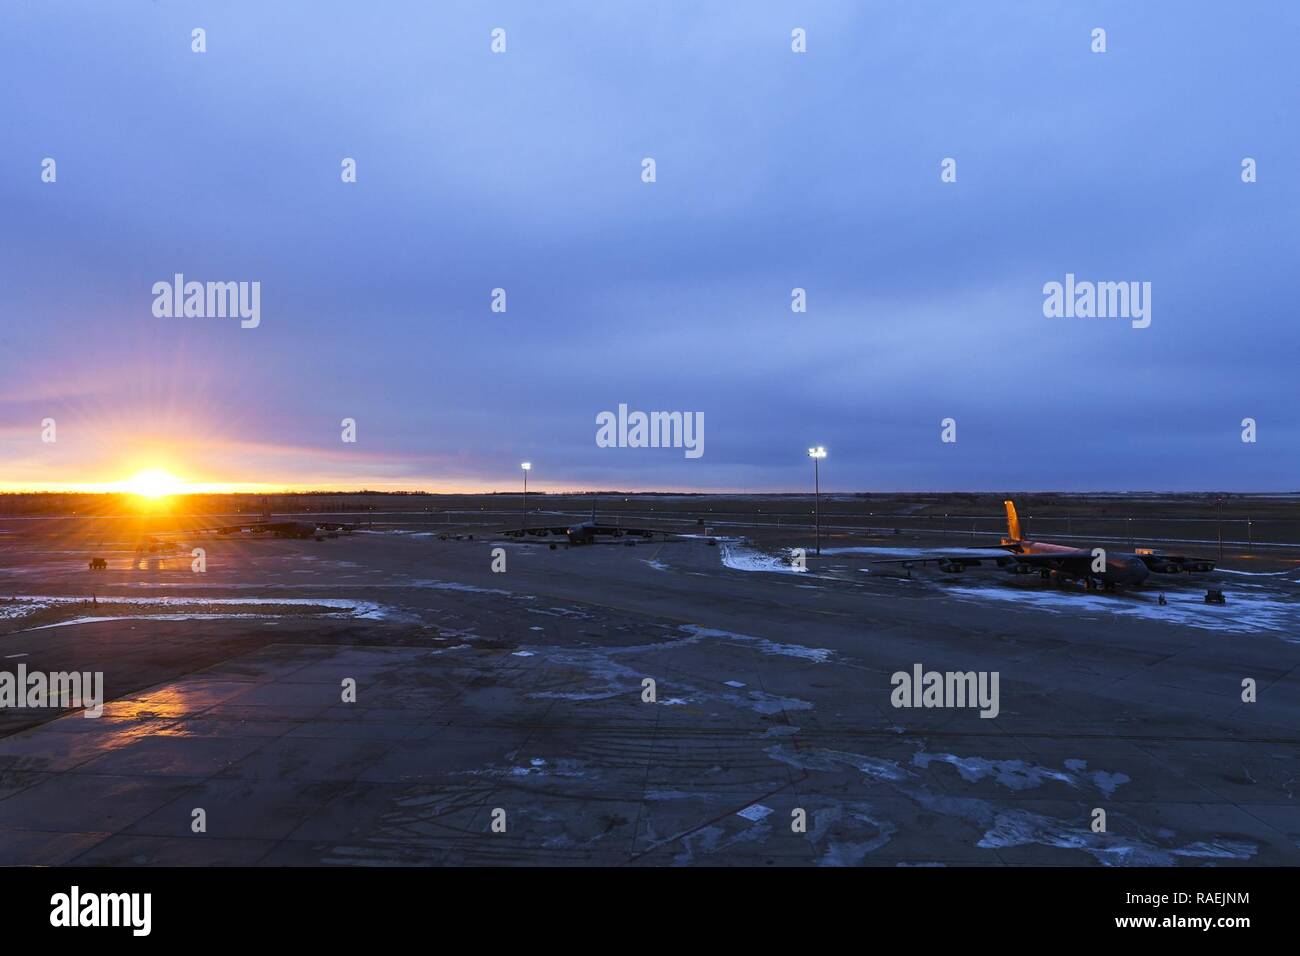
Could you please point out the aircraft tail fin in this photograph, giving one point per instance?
(1013, 521)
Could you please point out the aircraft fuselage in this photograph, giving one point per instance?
(1119, 568)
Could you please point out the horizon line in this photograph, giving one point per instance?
(398, 492)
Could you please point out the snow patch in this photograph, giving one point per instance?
(741, 557)
(1243, 614)
(819, 655)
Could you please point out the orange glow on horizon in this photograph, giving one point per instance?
(353, 487)
(154, 480)
(154, 483)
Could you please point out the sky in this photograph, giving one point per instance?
(774, 170)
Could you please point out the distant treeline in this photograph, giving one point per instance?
(1103, 503)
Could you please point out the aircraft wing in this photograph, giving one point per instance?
(1077, 559)
(277, 529)
(626, 530)
(614, 531)
(228, 528)
(1158, 562)
(971, 557)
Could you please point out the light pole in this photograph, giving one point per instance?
(817, 454)
(527, 466)
(1218, 506)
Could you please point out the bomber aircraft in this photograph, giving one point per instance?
(589, 532)
(1096, 567)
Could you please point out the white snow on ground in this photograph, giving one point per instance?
(567, 612)
(609, 677)
(456, 586)
(1018, 775)
(12, 610)
(1243, 614)
(25, 605)
(153, 617)
(1010, 827)
(740, 557)
(1258, 574)
(818, 654)
(830, 761)
(168, 601)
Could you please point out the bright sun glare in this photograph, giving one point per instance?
(154, 483)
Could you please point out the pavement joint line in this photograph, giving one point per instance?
(645, 779)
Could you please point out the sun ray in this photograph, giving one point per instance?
(154, 483)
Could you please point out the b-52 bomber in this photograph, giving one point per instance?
(1097, 567)
(285, 529)
(588, 532)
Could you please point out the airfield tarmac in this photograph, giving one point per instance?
(522, 691)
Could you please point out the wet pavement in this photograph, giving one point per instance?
(502, 718)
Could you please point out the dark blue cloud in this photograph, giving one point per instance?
(774, 171)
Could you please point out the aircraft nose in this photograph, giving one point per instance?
(1136, 569)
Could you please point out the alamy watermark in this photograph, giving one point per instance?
(37, 690)
(651, 430)
(1098, 300)
(922, 688)
(209, 300)
(75, 908)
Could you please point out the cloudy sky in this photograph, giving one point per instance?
(775, 170)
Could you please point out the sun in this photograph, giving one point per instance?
(153, 483)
